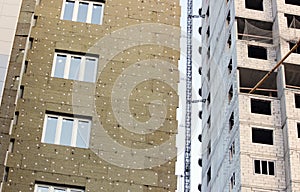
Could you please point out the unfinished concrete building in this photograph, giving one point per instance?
(251, 142)
(90, 98)
(9, 12)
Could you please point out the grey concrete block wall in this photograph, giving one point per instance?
(265, 15)
(283, 119)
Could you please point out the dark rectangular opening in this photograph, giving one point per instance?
(76, 53)
(34, 20)
(60, 185)
(228, 18)
(230, 94)
(257, 166)
(263, 136)
(208, 175)
(231, 121)
(6, 171)
(292, 2)
(257, 52)
(232, 181)
(230, 66)
(16, 118)
(264, 167)
(255, 30)
(200, 162)
(250, 77)
(231, 151)
(21, 92)
(208, 52)
(200, 114)
(293, 21)
(254, 4)
(25, 67)
(30, 43)
(208, 122)
(207, 12)
(208, 75)
(297, 100)
(298, 130)
(68, 115)
(260, 106)
(297, 50)
(229, 41)
(208, 148)
(292, 75)
(208, 32)
(271, 168)
(208, 99)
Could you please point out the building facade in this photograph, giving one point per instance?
(196, 107)
(250, 141)
(9, 12)
(90, 98)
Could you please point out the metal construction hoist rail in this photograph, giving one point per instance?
(187, 151)
(189, 101)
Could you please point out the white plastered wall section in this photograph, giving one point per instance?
(9, 13)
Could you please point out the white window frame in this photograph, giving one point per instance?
(266, 128)
(68, 64)
(89, 13)
(59, 129)
(268, 169)
(52, 187)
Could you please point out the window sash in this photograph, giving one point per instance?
(266, 164)
(59, 131)
(68, 10)
(90, 17)
(55, 188)
(69, 63)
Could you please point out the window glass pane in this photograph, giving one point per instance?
(60, 66)
(257, 166)
(42, 189)
(50, 130)
(263, 136)
(83, 134)
(96, 14)
(74, 68)
(69, 7)
(271, 168)
(82, 12)
(66, 132)
(264, 168)
(59, 190)
(90, 68)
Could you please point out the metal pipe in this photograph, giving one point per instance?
(276, 66)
